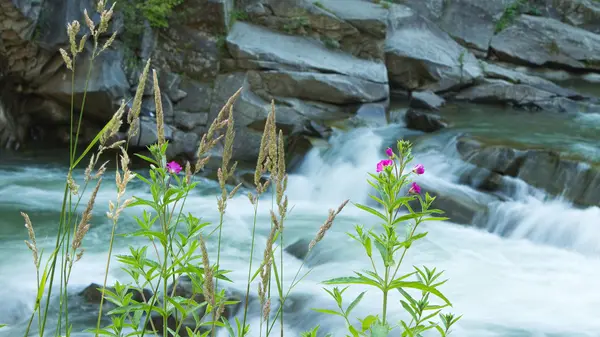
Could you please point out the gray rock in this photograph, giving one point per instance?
(186, 50)
(332, 88)
(425, 122)
(298, 249)
(108, 83)
(431, 9)
(523, 96)
(550, 171)
(459, 205)
(210, 16)
(472, 22)
(420, 56)
(580, 13)
(249, 42)
(366, 16)
(372, 114)
(198, 96)
(183, 143)
(148, 134)
(188, 121)
(250, 113)
(149, 103)
(544, 41)
(169, 84)
(92, 294)
(497, 72)
(315, 111)
(52, 21)
(426, 100)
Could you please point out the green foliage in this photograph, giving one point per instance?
(330, 42)
(237, 15)
(296, 24)
(135, 14)
(553, 47)
(515, 9)
(392, 247)
(175, 241)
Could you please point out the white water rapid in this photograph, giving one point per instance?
(528, 269)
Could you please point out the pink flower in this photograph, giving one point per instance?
(414, 189)
(389, 152)
(384, 163)
(419, 169)
(173, 167)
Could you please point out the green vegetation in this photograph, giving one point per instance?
(511, 12)
(135, 14)
(553, 47)
(320, 5)
(237, 15)
(296, 23)
(330, 42)
(175, 246)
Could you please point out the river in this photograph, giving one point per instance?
(527, 267)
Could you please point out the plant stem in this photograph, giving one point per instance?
(385, 294)
(110, 248)
(250, 262)
(218, 261)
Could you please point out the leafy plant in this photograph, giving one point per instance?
(175, 251)
(392, 247)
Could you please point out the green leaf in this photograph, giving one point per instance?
(150, 160)
(353, 280)
(368, 246)
(2, 325)
(383, 251)
(372, 211)
(406, 217)
(420, 286)
(354, 303)
(353, 331)
(327, 311)
(367, 322)
(409, 310)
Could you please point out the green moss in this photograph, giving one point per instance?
(330, 42)
(135, 14)
(553, 48)
(237, 15)
(515, 9)
(320, 5)
(296, 23)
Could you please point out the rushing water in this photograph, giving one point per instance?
(529, 268)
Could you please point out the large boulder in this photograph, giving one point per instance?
(252, 43)
(353, 26)
(580, 13)
(543, 41)
(495, 71)
(250, 114)
(108, 83)
(550, 171)
(187, 50)
(523, 96)
(421, 56)
(331, 88)
(472, 22)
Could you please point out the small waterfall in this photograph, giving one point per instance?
(509, 276)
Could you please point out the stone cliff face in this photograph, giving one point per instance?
(320, 61)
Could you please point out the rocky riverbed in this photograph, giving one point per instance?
(321, 61)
